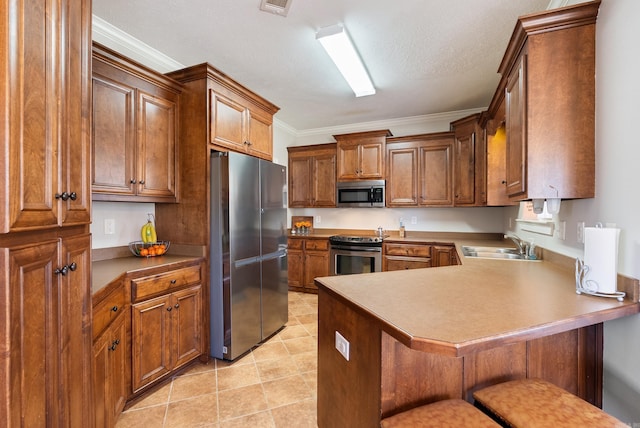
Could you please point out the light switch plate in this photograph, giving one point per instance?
(342, 345)
(109, 226)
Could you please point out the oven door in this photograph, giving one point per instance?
(347, 260)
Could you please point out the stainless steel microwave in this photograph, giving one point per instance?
(360, 194)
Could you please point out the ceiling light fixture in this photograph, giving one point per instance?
(336, 42)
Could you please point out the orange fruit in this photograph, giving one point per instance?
(152, 251)
(144, 252)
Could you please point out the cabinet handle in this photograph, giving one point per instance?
(62, 271)
(141, 181)
(169, 309)
(64, 196)
(173, 281)
(177, 305)
(114, 344)
(132, 181)
(114, 309)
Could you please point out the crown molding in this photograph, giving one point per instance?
(116, 39)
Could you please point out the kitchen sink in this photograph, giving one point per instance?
(505, 253)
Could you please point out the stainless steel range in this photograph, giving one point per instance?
(355, 254)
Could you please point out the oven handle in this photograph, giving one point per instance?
(356, 248)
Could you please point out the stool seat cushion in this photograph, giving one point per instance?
(441, 414)
(537, 403)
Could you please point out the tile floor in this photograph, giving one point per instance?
(272, 386)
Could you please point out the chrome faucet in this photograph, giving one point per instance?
(523, 246)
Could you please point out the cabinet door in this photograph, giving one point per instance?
(435, 166)
(402, 177)
(259, 135)
(101, 402)
(348, 162)
(113, 140)
(515, 99)
(118, 368)
(464, 170)
(295, 267)
(316, 263)
(187, 321)
(151, 340)
(30, 311)
(443, 256)
(156, 147)
(300, 178)
(390, 263)
(324, 180)
(227, 122)
(371, 161)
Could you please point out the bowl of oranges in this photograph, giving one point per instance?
(149, 249)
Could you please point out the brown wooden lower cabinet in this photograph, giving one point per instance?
(401, 256)
(307, 258)
(110, 361)
(383, 376)
(166, 334)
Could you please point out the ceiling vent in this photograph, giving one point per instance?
(278, 7)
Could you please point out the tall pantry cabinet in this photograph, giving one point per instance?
(45, 211)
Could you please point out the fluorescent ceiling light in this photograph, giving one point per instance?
(336, 42)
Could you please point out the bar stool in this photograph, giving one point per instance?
(441, 414)
(536, 403)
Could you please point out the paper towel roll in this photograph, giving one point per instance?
(601, 255)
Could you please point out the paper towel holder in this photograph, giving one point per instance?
(582, 285)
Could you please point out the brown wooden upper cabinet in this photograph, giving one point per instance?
(470, 166)
(361, 155)
(312, 176)
(135, 129)
(548, 80)
(420, 170)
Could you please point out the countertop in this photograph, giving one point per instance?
(477, 305)
(105, 272)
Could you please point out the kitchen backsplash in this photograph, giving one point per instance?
(127, 219)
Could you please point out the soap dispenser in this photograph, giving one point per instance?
(401, 231)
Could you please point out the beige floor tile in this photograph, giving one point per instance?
(276, 368)
(285, 391)
(292, 321)
(311, 378)
(311, 328)
(237, 376)
(301, 344)
(308, 318)
(257, 420)
(200, 367)
(293, 331)
(155, 398)
(245, 359)
(193, 386)
(297, 415)
(243, 401)
(195, 412)
(268, 351)
(147, 417)
(306, 361)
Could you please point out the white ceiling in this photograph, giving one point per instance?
(424, 56)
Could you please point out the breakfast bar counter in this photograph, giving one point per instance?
(423, 335)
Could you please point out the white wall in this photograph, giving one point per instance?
(617, 196)
(128, 218)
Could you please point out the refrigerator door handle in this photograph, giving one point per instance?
(246, 262)
(276, 255)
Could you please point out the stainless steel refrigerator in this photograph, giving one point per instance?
(248, 283)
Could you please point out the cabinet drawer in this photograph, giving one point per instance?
(411, 250)
(295, 244)
(163, 283)
(403, 263)
(107, 310)
(316, 244)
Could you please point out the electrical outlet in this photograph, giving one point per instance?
(562, 230)
(414, 220)
(580, 232)
(109, 226)
(317, 219)
(342, 345)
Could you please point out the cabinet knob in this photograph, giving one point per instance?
(132, 181)
(177, 305)
(114, 309)
(73, 266)
(73, 196)
(62, 271)
(503, 182)
(64, 196)
(173, 281)
(169, 309)
(141, 181)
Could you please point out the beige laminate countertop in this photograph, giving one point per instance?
(480, 304)
(105, 272)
